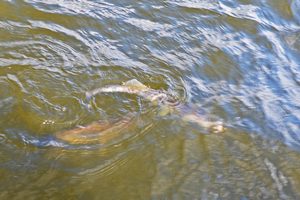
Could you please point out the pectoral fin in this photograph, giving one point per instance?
(135, 83)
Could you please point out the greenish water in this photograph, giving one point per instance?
(237, 59)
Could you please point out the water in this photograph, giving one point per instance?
(238, 59)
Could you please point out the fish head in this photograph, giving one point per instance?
(202, 119)
(218, 126)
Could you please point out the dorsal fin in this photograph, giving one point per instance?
(135, 83)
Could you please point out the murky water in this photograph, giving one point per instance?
(240, 60)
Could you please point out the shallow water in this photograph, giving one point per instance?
(237, 59)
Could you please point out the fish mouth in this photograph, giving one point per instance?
(218, 127)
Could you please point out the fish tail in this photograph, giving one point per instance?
(46, 141)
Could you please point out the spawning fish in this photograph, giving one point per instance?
(101, 132)
(187, 111)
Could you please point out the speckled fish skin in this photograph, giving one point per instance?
(155, 96)
(99, 132)
(187, 111)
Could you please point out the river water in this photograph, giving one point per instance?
(239, 60)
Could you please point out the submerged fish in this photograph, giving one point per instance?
(101, 132)
(187, 111)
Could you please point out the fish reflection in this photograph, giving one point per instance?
(168, 104)
(102, 132)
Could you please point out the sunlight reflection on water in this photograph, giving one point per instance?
(237, 59)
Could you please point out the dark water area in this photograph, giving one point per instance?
(240, 60)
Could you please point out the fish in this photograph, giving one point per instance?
(102, 132)
(188, 112)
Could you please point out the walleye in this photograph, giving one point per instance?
(187, 111)
(101, 132)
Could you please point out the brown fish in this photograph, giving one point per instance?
(101, 132)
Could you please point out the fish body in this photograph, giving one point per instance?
(101, 132)
(195, 115)
(187, 111)
(155, 96)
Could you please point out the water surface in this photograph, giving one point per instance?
(237, 59)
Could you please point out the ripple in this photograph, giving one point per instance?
(91, 9)
(257, 13)
(237, 59)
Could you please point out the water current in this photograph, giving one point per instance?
(239, 60)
